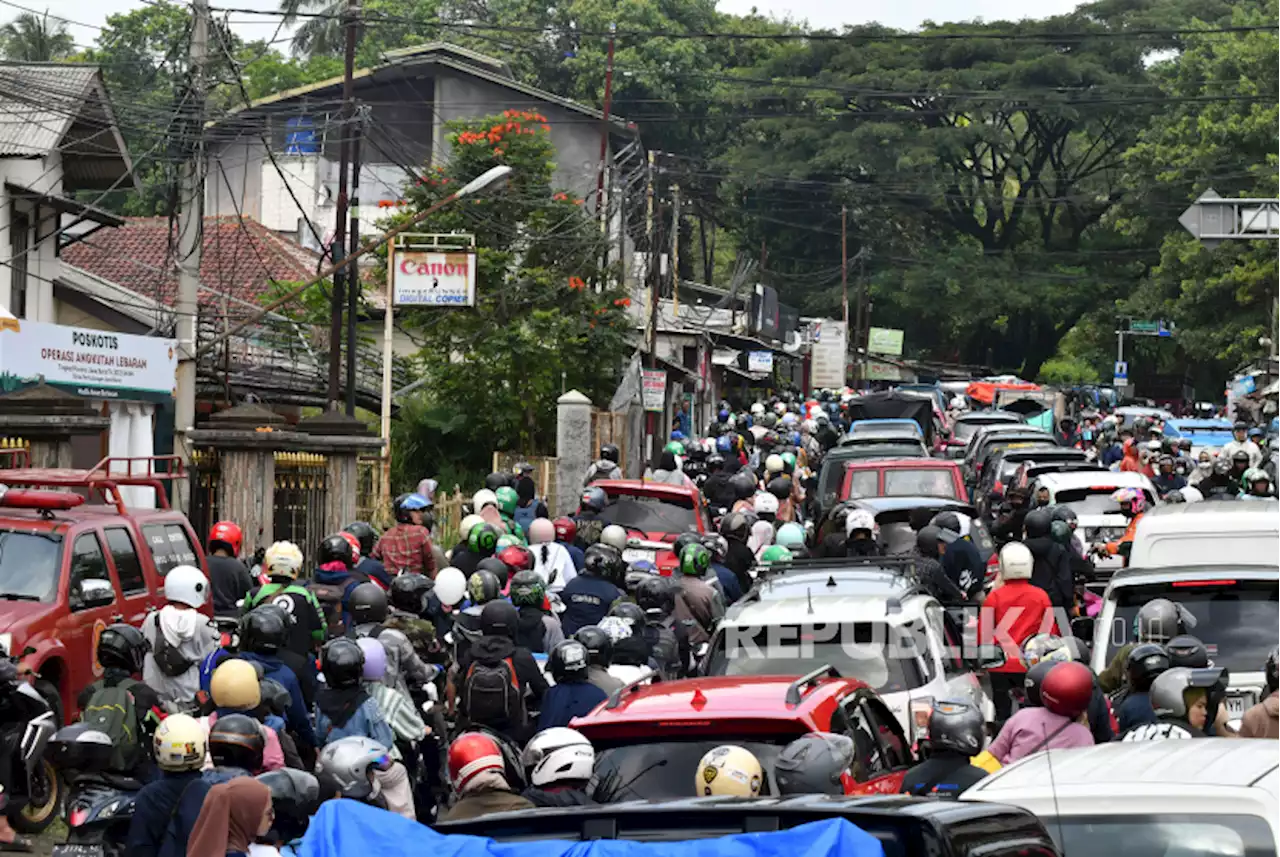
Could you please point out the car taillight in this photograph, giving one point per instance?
(921, 710)
(993, 567)
(998, 487)
(1183, 584)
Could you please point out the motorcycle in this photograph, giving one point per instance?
(33, 798)
(99, 803)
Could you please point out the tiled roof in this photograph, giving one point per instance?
(38, 102)
(238, 261)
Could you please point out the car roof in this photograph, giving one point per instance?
(712, 697)
(96, 514)
(1046, 454)
(644, 487)
(1089, 478)
(1259, 511)
(826, 597)
(895, 503)
(901, 464)
(1140, 576)
(990, 417)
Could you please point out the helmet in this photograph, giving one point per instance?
(556, 755)
(1157, 621)
(355, 546)
(275, 696)
(789, 458)
(593, 499)
(282, 559)
(683, 540)
(695, 560)
(1067, 689)
(614, 536)
(349, 763)
(1060, 531)
(628, 612)
(335, 548)
(568, 660)
(735, 527)
(375, 659)
(1134, 497)
(1016, 561)
(1046, 647)
(1240, 457)
(609, 452)
(467, 525)
(791, 537)
(498, 619)
(236, 741)
(1167, 691)
(406, 503)
(779, 487)
(597, 643)
(367, 603)
(482, 540)
(773, 464)
(365, 534)
(1038, 523)
(472, 754)
(508, 499)
(179, 743)
(450, 586)
(728, 770)
(516, 558)
(483, 586)
(1145, 662)
(766, 504)
(566, 529)
(817, 763)
(724, 444)
(1064, 513)
(957, 726)
(496, 480)
(527, 589)
(186, 584)
(123, 647)
(775, 553)
(1187, 651)
(227, 533)
(655, 596)
(927, 541)
(859, 519)
(409, 592)
(603, 561)
(541, 531)
(674, 447)
(743, 484)
(342, 662)
(757, 409)
(616, 627)
(264, 630)
(482, 498)
(295, 796)
(1034, 679)
(950, 522)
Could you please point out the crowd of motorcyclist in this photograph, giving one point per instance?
(410, 677)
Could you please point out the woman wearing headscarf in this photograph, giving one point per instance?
(234, 814)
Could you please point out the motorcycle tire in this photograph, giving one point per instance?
(53, 698)
(45, 803)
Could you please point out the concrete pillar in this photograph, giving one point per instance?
(340, 439)
(573, 448)
(246, 492)
(341, 489)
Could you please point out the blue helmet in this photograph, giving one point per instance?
(723, 415)
(678, 435)
(407, 503)
(724, 443)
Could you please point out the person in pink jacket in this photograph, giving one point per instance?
(1054, 723)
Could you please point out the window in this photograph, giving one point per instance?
(30, 565)
(87, 563)
(170, 546)
(896, 751)
(125, 556)
(871, 761)
(19, 244)
(864, 483)
(184, 553)
(1163, 835)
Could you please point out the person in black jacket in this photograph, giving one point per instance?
(1052, 569)
(930, 572)
(496, 643)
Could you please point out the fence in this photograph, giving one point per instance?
(610, 427)
(448, 514)
(544, 472)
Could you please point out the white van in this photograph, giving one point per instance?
(1215, 532)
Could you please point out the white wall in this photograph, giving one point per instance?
(43, 175)
(234, 179)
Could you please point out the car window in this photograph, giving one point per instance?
(170, 546)
(871, 761)
(87, 563)
(125, 556)
(1095, 500)
(928, 482)
(665, 768)
(1140, 835)
(892, 742)
(30, 565)
(864, 483)
(651, 514)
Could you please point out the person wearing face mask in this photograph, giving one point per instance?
(1165, 479)
(1041, 498)
(1203, 469)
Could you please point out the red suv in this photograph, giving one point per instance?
(649, 738)
(70, 568)
(653, 514)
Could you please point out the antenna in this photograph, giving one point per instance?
(1057, 813)
(809, 594)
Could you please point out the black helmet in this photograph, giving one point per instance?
(683, 541)
(628, 611)
(593, 499)
(599, 646)
(409, 592)
(264, 630)
(274, 696)
(335, 548)
(342, 662)
(1145, 662)
(743, 484)
(780, 487)
(820, 763)
(927, 541)
(609, 452)
(367, 603)
(655, 596)
(1187, 651)
(295, 797)
(1159, 620)
(735, 527)
(123, 647)
(1239, 425)
(483, 586)
(494, 481)
(1240, 457)
(1064, 513)
(365, 534)
(497, 568)
(956, 726)
(498, 619)
(1038, 523)
(528, 589)
(603, 561)
(951, 521)
(236, 741)
(714, 462)
(1034, 678)
(1273, 668)
(568, 661)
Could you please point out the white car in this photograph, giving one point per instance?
(1208, 796)
(1088, 494)
(1208, 533)
(870, 623)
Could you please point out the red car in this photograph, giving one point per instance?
(654, 514)
(903, 477)
(649, 738)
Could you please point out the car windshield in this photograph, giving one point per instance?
(873, 652)
(863, 483)
(1093, 500)
(930, 482)
(651, 514)
(1217, 835)
(966, 429)
(1236, 619)
(29, 565)
(664, 770)
(831, 479)
(878, 429)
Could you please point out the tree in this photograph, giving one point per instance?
(35, 38)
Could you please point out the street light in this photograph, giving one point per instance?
(482, 181)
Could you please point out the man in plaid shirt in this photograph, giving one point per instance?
(406, 547)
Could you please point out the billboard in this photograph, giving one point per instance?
(96, 364)
(434, 278)
(884, 340)
(830, 344)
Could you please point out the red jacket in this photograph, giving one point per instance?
(1018, 610)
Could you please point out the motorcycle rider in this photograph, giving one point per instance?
(567, 537)
(1240, 442)
(1133, 503)
(735, 527)
(599, 655)
(121, 649)
(1256, 485)
(228, 576)
(573, 694)
(179, 637)
(960, 559)
(860, 534)
(334, 581)
(1017, 610)
(1158, 621)
(552, 561)
(1145, 663)
(343, 707)
(407, 545)
(1052, 570)
(1166, 479)
(369, 611)
(668, 638)
(307, 630)
(1065, 694)
(537, 629)
(604, 467)
(367, 540)
(589, 522)
(818, 763)
(558, 763)
(956, 735)
(264, 636)
(1185, 701)
(588, 596)
(495, 655)
(399, 712)
(696, 601)
(477, 772)
(178, 747)
(1263, 719)
(929, 569)
(411, 597)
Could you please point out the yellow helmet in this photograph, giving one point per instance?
(282, 559)
(179, 743)
(235, 685)
(729, 770)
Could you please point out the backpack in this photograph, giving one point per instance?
(525, 515)
(168, 657)
(492, 693)
(111, 709)
(332, 598)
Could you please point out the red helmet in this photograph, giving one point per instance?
(566, 529)
(355, 546)
(516, 558)
(471, 754)
(1067, 689)
(227, 532)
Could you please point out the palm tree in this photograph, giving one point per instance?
(34, 38)
(321, 36)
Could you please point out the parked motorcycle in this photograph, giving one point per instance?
(99, 803)
(26, 725)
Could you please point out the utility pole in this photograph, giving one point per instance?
(844, 265)
(652, 270)
(601, 209)
(338, 247)
(190, 244)
(675, 250)
(354, 287)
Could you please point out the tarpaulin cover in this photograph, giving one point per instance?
(344, 828)
(985, 391)
(891, 406)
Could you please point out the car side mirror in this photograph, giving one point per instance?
(96, 593)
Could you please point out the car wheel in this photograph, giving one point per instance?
(49, 691)
(46, 798)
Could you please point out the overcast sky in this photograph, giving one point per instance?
(904, 14)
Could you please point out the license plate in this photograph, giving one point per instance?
(77, 851)
(630, 555)
(1235, 707)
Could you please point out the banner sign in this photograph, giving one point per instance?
(827, 354)
(433, 278)
(884, 340)
(95, 364)
(759, 361)
(653, 389)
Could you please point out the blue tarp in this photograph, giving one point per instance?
(344, 828)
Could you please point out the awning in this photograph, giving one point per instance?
(985, 391)
(750, 376)
(66, 205)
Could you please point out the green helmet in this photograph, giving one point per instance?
(527, 589)
(788, 462)
(507, 500)
(505, 540)
(675, 447)
(1060, 532)
(775, 553)
(482, 540)
(517, 532)
(695, 559)
(790, 536)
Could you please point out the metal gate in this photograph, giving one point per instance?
(301, 486)
(204, 492)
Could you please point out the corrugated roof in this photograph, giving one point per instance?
(38, 103)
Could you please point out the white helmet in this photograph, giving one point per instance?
(350, 763)
(774, 464)
(757, 409)
(450, 586)
(558, 754)
(729, 770)
(179, 743)
(860, 519)
(282, 559)
(541, 531)
(766, 504)
(780, 408)
(615, 536)
(1016, 561)
(464, 529)
(483, 497)
(809, 426)
(187, 585)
